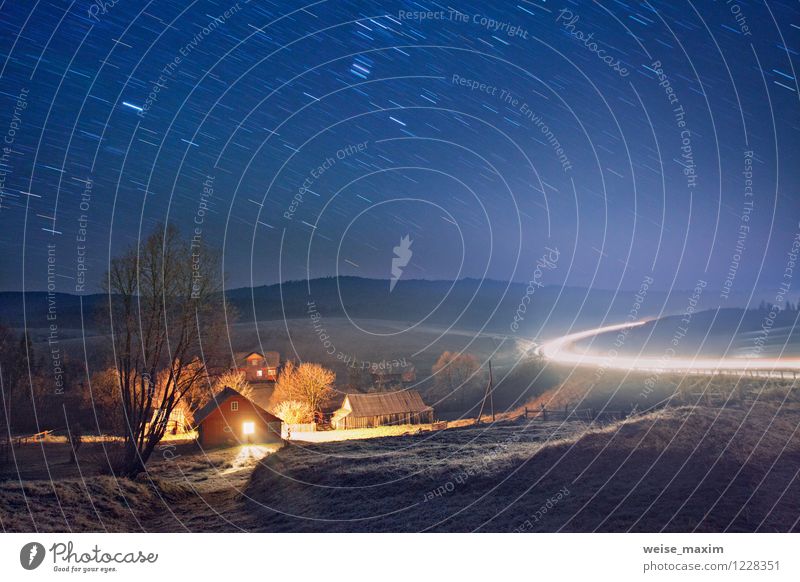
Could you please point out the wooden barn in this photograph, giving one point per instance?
(231, 419)
(371, 410)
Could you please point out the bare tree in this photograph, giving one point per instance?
(310, 384)
(165, 315)
(15, 364)
(456, 373)
(235, 379)
(105, 400)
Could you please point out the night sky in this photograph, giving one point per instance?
(638, 139)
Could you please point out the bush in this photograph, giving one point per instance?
(294, 412)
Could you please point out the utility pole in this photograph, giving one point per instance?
(488, 394)
(491, 389)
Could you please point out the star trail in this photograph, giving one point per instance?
(638, 138)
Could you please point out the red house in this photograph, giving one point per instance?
(259, 367)
(231, 419)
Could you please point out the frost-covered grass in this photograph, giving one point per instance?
(680, 469)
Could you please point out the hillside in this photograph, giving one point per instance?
(682, 469)
(678, 470)
(466, 303)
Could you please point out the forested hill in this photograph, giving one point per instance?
(467, 303)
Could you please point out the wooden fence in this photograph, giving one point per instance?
(590, 414)
(34, 438)
(287, 430)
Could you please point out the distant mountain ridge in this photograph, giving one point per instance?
(469, 303)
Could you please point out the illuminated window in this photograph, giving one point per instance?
(259, 373)
(249, 428)
(235, 405)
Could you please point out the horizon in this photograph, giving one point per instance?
(758, 296)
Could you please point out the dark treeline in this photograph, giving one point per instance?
(469, 303)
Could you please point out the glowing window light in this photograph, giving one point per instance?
(249, 428)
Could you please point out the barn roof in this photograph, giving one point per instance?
(220, 398)
(388, 403)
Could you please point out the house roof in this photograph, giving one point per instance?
(220, 398)
(388, 403)
(272, 358)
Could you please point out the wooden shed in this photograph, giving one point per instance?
(370, 410)
(231, 419)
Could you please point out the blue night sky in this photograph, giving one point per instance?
(307, 141)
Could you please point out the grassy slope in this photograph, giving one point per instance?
(186, 490)
(382, 485)
(101, 504)
(625, 476)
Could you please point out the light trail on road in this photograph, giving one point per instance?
(561, 350)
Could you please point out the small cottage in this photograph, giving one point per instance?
(231, 419)
(371, 410)
(259, 367)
